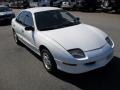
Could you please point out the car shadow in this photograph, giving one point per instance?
(105, 78)
(114, 13)
(5, 23)
(33, 53)
(87, 11)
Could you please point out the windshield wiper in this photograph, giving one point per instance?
(66, 23)
(49, 28)
(69, 23)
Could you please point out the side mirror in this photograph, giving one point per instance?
(29, 28)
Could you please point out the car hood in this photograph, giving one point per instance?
(81, 36)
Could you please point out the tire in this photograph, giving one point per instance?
(105, 4)
(17, 41)
(117, 10)
(48, 61)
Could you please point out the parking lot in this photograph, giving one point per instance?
(21, 69)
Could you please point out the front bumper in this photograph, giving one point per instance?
(96, 59)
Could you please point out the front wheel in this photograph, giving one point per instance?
(48, 61)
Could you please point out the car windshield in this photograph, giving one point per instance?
(54, 19)
(4, 9)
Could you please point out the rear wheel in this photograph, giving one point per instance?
(48, 61)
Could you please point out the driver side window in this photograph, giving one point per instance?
(25, 18)
(28, 19)
(21, 17)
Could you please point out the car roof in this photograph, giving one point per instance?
(40, 9)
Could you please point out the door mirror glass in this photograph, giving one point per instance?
(29, 28)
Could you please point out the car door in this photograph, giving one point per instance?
(29, 35)
(18, 25)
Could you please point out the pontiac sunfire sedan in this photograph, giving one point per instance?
(62, 41)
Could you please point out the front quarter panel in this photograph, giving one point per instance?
(97, 31)
(58, 52)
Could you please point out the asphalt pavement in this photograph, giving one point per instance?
(21, 69)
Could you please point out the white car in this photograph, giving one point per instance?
(61, 40)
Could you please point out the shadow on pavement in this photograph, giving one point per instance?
(105, 78)
(114, 13)
(87, 11)
(5, 23)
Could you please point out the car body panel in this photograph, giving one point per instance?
(81, 38)
(101, 57)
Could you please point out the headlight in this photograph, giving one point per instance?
(109, 41)
(77, 53)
